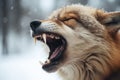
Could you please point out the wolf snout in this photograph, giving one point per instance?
(34, 25)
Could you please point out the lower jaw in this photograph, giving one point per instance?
(54, 63)
(52, 67)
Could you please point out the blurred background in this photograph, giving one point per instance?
(19, 56)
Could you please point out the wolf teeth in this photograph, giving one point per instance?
(44, 37)
(52, 36)
(57, 37)
(48, 61)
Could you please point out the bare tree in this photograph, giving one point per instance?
(4, 26)
(10, 20)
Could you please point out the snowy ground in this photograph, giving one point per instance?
(24, 67)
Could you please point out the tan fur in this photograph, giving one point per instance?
(93, 41)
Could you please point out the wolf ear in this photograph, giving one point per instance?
(111, 20)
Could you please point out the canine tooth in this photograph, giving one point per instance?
(44, 37)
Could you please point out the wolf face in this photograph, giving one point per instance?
(84, 42)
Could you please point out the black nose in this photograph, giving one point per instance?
(34, 25)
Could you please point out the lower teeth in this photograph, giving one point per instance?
(48, 61)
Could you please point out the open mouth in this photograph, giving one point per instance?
(56, 44)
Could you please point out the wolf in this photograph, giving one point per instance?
(84, 42)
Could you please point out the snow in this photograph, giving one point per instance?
(112, 1)
(25, 66)
(95, 3)
(47, 6)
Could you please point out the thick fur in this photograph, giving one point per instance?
(93, 42)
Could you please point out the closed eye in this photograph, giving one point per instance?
(67, 19)
(71, 22)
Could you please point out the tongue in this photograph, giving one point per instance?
(56, 52)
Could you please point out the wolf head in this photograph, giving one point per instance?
(84, 42)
